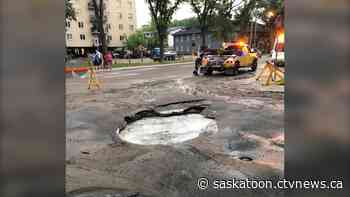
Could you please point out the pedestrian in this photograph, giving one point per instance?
(97, 59)
(108, 61)
(199, 59)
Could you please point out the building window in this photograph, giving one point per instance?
(120, 15)
(81, 24)
(82, 36)
(193, 37)
(67, 24)
(131, 27)
(130, 16)
(69, 36)
(121, 27)
(109, 38)
(122, 38)
(130, 4)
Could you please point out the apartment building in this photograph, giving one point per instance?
(82, 36)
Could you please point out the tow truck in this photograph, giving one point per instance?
(230, 59)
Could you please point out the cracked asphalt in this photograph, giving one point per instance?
(249, 142)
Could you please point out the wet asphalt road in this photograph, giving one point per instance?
(124, 77)
(149, 73)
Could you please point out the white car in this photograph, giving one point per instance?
(170, 55)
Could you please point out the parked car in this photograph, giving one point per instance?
(116, 55)
(168, 54)
(119, 54)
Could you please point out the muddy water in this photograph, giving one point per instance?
(167, 130)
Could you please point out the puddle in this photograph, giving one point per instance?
(167, 130)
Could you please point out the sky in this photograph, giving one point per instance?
(144, 17)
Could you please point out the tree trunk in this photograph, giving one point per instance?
(161, 40)
(102, 31)
(99, 13)
(204, 38)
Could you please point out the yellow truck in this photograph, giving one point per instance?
(228, 60)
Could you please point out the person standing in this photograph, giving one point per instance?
(108, 61)
(97, 59)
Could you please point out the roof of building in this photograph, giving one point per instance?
(188, 31)
(171, 29)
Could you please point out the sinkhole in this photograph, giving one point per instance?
(167, 129)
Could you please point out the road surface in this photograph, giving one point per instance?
(124, 77)
(247, 141)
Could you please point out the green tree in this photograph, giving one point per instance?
(274, 6)
(258, 9)
(162, 12)
(222, 22)
(153, 41)
(69, 10)
(135, 40)
(99, 21)
(244, 14)
(205, 10)
(186, 23)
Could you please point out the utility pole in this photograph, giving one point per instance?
(250, 34)
(252, 27)
(254, 36)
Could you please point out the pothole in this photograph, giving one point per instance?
(167, 127)
(245, 158)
